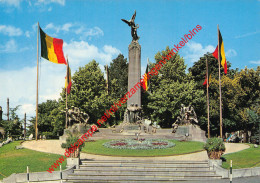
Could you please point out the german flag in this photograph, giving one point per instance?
(222, 53)
(51, 48)
(68, 82)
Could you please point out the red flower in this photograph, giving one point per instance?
(119, 144)
(160, 143)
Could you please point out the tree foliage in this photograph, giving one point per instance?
(13, 127)
(240, 92)
(169, 89)
(51, 119)
(118, 76)
(118, 82)
(88, 91)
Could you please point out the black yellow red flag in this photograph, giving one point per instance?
(220, 49)
(68, 82)
(51, 48)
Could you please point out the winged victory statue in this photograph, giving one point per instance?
(134, 27)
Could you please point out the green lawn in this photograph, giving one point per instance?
(15, 161)
(96, 147)
(247, 158)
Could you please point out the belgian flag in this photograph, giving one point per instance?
(51, 48)
(220, 49)
(205, 82)
(146, 83)
(68, 82)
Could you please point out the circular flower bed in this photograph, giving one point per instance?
(141, 144)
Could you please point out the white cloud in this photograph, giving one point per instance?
(231, 53)
(80, 52)
(12, 47)
(111, 50)
(255, 62)
(87, 32)
(20, 85)
(51, 26)
(61, 2)
(66, 27)
(9, 47)
(75, 28)
(247, 34)
(10, 30)
(193, 51)
(15, 3)
(29, 109)
(27, 34)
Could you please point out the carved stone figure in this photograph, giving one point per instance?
(2, 132)
(31, 137)
(134, 113)
(134, 27)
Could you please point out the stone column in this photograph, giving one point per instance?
(7, 109)
(134, 76)
(134, 72)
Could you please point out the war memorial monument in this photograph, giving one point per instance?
(184, 128)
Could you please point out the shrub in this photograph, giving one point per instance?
(215, 148)
(70, 141)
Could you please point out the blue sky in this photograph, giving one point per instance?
(94, 30)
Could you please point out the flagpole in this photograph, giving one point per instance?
(220, 98)
(67, 93)
(36, 119)
(107, 79)
(207, 75)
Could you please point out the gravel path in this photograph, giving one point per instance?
(53, 146)
(234, 147)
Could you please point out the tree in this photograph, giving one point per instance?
(171, 88)
(13, 127)
(240, 93)
(88, 92)
(198, 70)
(118, 76)
(51, 119)
(118, 82)
(44, 115)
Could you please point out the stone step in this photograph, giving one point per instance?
(130, 171)
(153, 170)
(136, 179)
(145, 173)
(143, 162)
(145, 168)
(133, 165)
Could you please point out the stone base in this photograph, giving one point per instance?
(73, 162)
(191, 132)
(131, 129)
(78, 128)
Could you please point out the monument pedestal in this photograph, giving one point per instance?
(78, 128)
(191, 132)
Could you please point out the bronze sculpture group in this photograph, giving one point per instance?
(187, 116)
(77, 116)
